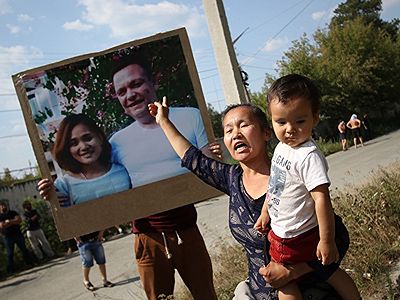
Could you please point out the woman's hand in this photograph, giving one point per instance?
(215, 150)
(276, 275)
(159, 110)
(44, 187)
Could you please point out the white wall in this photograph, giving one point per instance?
(18, 193)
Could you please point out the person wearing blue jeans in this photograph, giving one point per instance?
(90, 248)
(9, 227)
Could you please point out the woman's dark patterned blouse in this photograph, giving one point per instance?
(243, 213)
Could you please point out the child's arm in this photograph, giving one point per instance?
(326, 250)
(176, 139)
(263, 219)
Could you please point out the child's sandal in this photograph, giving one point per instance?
(89, 286)
(108, 284)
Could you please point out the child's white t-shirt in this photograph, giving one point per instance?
(295, 172)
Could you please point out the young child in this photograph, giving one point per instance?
(83, 151)
(298, 203)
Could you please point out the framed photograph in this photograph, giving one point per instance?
(91, 131)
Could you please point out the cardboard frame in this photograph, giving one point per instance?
(120, 207)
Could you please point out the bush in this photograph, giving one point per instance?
(372, 215)
(328, 147)
(49, 229)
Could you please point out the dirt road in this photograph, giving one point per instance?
(61, 278)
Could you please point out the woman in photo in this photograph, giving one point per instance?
(83, 151)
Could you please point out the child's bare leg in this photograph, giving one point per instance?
(290, 292)
(355, 143)
(344, 285)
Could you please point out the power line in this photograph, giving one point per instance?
(10, 110)
(258, 67)
(13, 136)
(207, 70)
(283, 28)
(210, 76)
(275, 17)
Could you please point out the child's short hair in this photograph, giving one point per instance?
(61, 149)
(294, 86)
(255, 110)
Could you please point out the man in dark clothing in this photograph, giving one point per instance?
(34, 233)
(9, 227)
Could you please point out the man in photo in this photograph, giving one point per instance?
(169, 240)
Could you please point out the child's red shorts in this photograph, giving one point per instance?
(301, 248)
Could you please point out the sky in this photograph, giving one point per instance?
(36, 33)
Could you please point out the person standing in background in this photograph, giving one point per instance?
(9, 226)
(366, 125)
(354, 124)
(342, 135)
(34, 233)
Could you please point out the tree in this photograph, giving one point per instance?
(216, 121)
(368, 11)
(7, 179)
(360, 70)
(301, 58)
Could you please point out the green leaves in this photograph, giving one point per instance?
(355, 62)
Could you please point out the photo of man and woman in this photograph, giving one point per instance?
(94, 137)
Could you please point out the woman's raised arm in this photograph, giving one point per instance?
(176, 139)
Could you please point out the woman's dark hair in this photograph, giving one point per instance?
(61, 150)
(293, 86)
(255, 110)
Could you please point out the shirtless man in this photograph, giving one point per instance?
(354, 124)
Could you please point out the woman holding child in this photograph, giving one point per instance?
(246, 133)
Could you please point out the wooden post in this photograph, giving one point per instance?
(228, 67)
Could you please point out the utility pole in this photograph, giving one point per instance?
(228, 67)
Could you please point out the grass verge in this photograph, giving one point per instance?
(372, 215)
